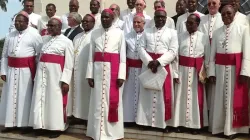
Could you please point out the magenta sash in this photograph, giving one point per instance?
(197, 64)
(114, 59)
(240, 99)
(24, 62)
(133, 63)
(167, 89)
(57, 59)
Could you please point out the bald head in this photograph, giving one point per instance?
(213, 6)
(73, 6)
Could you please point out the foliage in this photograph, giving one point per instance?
(3, 4)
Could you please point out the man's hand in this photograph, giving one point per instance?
(65, 88)
(243, 79)
(119, 82)
(150, 64)
(91, 82)
(3, 77)
(212, 79)
(176, 80)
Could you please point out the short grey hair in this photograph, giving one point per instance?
(77, 17)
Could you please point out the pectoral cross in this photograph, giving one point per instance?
(224, 43)
(76, 51)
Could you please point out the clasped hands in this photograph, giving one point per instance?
(119, 82)
(153, 65)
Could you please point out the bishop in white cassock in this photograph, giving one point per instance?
(229, 68)
(79, 95)
(239, 17)
(28, 6)
(159, 45)
(106, 73)
(43, 21)
(18, 68)
(140, 5)
(94, 8)
(190, 98)
(118, 23)
(73, 7)
(129, 10)
(53, 75)
(192, 9)
(210, 23)
(170, 22)
(134, 65)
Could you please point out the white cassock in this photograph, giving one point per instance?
(33, 20)
(190, 98)
(126, 12)
(181, 21)
(169, 23)
(64, 19)
(54, 67)
(97, 21)
(79, 95)
(17, 90)
(210, 23)
(118, 23)
(151, 105)
(103, 122)
(42, 25)
(128, 23)
(225, 50)
(132, 84)
(241, 19)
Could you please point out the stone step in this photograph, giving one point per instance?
(77, 132)
(135, 133)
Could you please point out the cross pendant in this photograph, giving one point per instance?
(224, 44)
(76, 51)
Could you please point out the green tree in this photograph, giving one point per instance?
(3, 4)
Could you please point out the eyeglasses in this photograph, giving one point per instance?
(51, 25)
(86, 21)
(139, 4)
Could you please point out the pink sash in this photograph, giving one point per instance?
(240, 100)
(57, 59)
(167, 88)
(133, 63)
(114, 60)
(23, 62)
(197, 64)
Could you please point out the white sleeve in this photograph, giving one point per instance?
(144, 56)
(172, 51)
(68, 64)
(245, 68)
(4, 60)
(90, 67)
(211, 63)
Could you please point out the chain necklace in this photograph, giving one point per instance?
(79, 43)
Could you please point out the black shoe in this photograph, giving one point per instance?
(195, 132)
(231, 137)
(39, 132)
(7, 130)
(54, 135)
(166, 130)
(178, 130)
(26, 130)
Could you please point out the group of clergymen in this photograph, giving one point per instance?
(111, 68)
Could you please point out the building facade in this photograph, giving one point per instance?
(62, 6)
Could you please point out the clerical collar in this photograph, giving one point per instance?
(214, 15)
(72, 28)
(23, 31)
(193, 12)
(192, 33)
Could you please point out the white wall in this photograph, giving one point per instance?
(62, 6)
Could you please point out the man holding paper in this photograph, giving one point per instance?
(159, 46)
